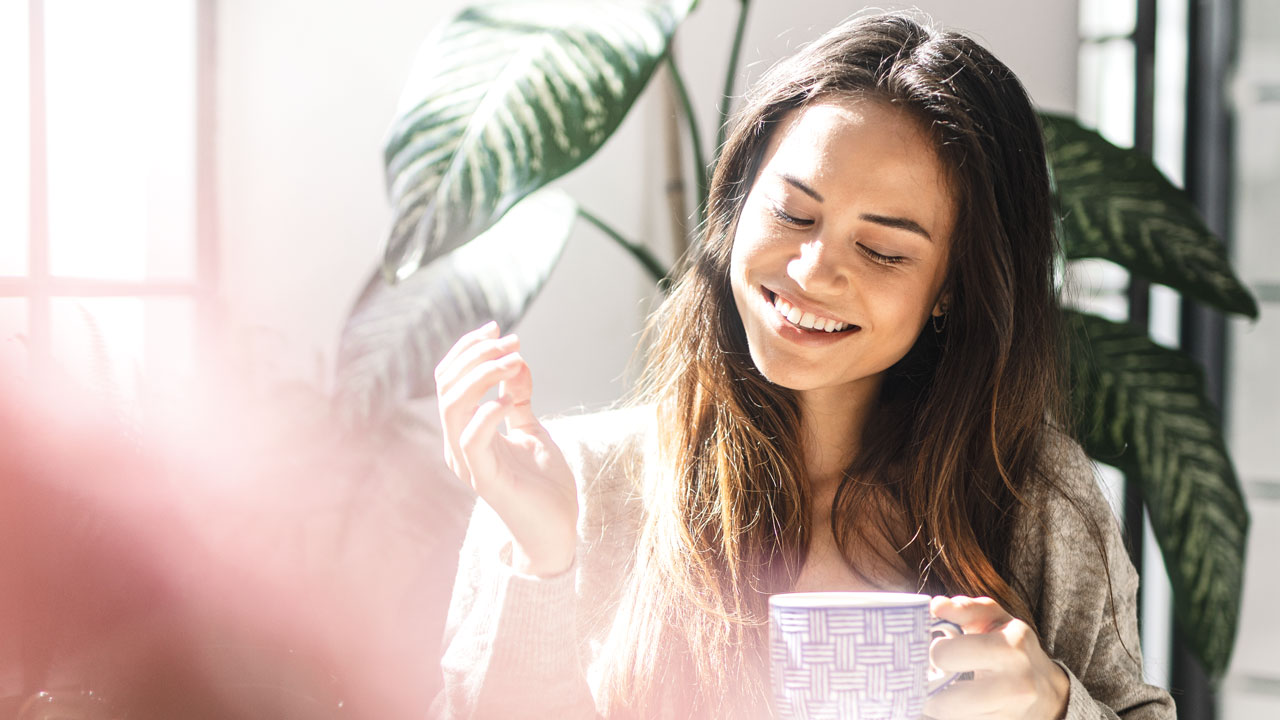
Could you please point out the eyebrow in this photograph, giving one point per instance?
(802, 186)
(897, 223)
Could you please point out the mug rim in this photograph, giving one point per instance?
(848, 599)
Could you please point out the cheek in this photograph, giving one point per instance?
(737, 279)
(752, 223)
(743, 256)
(753, 249)
(904, 308)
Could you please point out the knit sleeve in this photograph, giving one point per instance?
(1071, 561)
(517, 645)
(510, 643)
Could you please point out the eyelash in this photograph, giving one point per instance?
(881, 258)
(789, 219)
(874, 256)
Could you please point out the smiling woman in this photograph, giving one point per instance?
(853, 385)
(825, 240)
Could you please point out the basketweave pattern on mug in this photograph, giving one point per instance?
(868, 663)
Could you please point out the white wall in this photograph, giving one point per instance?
(306, 91)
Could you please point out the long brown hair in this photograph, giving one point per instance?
(959, 419)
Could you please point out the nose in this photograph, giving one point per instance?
(818, 269)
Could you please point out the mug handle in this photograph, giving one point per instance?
(937, 683)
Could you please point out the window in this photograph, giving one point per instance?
(1132, 89)
(104, 261)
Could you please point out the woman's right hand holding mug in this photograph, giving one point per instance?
(521, 474)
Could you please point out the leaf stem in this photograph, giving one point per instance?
(730, 77)
(695, 137)
(638, 251)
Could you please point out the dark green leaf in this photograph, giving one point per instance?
(1117, 206)
(396, 334)
(505, 98)
(1144, 410)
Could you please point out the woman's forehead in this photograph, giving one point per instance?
(852, 121)
(864, 147)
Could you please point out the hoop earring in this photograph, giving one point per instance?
(938, 326)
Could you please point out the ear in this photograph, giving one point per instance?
(944, 303)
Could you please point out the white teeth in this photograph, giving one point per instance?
(796, 316)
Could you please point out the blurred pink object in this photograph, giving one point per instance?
(242, 558)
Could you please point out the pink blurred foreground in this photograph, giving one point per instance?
(233, 558)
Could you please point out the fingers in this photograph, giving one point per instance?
(993, 639)
(975, 615)
(978, 699)
(468, 371)
(487, 331)
(461, 397)
(476, 443)
(518, 391)
(468, 353)
(459, 403)
(1013, 678)
(981, 647)
(985, 651)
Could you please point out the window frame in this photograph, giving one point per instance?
(38, 286)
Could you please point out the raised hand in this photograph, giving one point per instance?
(1013, 677)
(521, 474)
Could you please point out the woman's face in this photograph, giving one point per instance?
(840, 253)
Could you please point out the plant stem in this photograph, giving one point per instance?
(675, 188)
(694, 137)
(639, 252)
(726, 99)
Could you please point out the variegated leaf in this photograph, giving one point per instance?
(1117, 206)
(396, 334)
(503, 99)
(1144, 410)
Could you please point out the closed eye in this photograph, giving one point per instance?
(881, 257)
(789, 219)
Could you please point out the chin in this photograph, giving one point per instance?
(784, 373)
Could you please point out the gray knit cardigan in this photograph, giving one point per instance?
(517, 646)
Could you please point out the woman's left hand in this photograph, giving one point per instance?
(1013, 677)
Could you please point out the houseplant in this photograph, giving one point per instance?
(508, 97)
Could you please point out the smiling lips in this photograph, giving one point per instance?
(807, 320)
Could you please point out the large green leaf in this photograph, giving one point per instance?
(1144, 410)
(1117, 206)
(396, 334)
(504, 98)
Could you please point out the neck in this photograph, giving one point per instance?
(832, 420)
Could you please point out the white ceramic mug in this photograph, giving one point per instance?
(853, 655)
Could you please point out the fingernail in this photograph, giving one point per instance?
(491, 325)
(508, 340)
